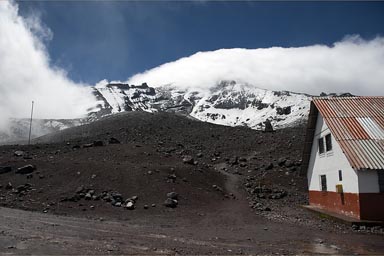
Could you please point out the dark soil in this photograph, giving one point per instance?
(232, 183)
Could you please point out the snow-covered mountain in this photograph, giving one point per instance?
(226, 103)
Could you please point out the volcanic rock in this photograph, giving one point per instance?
(19, 153)
(268, 126)
(80, 189)
(133, 198)
(234, 160)
(98, 143)
(173, 195)
(171, 203)
(172, 177)
(8, 186)
(5, 169)
(113, 141)
(283, 111)
(88, 196)
(281, 161)
(269, 167)
(288, 163)
(26, 169)
(188, 160)
(130, 205)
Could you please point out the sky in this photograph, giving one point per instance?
(113, 40)
(52, 52)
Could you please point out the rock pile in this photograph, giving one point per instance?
(172, 200)
(260, 195)
(114, 198)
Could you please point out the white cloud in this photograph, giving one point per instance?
(351, 65)
(26, 75)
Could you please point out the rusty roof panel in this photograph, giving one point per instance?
(357, 129)
(357, 124)
(371, 127)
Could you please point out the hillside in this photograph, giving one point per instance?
(228, 182)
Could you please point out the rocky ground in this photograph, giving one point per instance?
(229, 190)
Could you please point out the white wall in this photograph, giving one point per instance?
(329, 163)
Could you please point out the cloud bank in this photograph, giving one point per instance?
(351, 65)
(26, 74)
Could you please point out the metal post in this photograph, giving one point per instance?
(30, 126)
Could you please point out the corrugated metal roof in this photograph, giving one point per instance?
(357, 123)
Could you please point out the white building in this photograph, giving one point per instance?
(344, 156)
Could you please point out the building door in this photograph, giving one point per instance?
(380, 174)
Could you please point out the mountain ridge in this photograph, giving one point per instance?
(228, 103)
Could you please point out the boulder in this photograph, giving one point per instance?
(283, 110)
(8, 186)
(234, 160)
(5, 169)
(172, 177)
(21, 188)
(173, 195)
(26, 169)
(133, 198)
(288, 163)
(117, 197)
(188, 160)
(243, 159)
(113, 141)
(171, 203)
(98, 143)
(281, 161)
(88, 196)
(268, 126)
(18, 153)
(80, 190)
(130, 205)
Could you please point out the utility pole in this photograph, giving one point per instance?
(30, 126)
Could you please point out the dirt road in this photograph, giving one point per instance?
(229, 229)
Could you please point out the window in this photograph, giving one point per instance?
(321, 146)
(323, 182)
(328, 142)
(340, 175)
